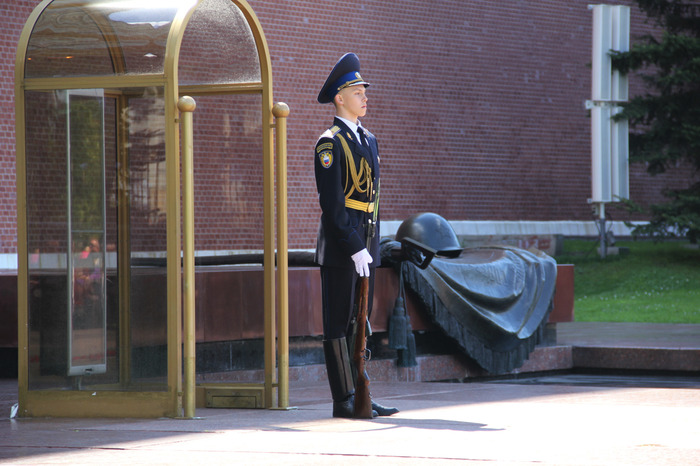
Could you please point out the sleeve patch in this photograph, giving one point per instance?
(326, 158)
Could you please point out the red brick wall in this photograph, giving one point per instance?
(14, 15)
(478, 107)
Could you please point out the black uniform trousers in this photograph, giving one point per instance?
(338, 294)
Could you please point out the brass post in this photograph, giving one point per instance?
(281, 110)
(269, 247)
(186, 105)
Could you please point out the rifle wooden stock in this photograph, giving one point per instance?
(363, 402)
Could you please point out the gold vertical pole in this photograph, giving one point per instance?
(186, 105)
(281, 110)
(22, 246)
(269, 247)
(174, 250)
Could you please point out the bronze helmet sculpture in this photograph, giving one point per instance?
(433, 231)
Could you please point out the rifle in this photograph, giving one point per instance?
(363, 402)
(360, 354)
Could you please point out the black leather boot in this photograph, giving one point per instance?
(383, 410)
(340, 377)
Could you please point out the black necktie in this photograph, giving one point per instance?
(363, 139)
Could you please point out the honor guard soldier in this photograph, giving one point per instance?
(347, 179)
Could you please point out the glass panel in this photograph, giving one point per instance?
(147, 203)
(229, 225)
(62, 230)
(53, 291)
(47, 245)
(66, 42)
(101, 38)
(228, 174)
(218, 29)
(86, 232)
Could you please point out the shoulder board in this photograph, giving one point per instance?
(328, 134)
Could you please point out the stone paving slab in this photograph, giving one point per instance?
(439, 423)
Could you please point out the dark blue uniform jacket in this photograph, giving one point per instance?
(342, 231)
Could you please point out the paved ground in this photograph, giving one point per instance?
(475, 423)
(555, 421)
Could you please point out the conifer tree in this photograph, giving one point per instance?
(665, 122)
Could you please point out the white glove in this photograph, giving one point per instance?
(362, 260)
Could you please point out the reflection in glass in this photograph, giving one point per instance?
(86, 232)
(88, 158)
(147, 183)
(101, 38)
(46, 162)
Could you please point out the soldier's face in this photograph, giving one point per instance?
(353, 100)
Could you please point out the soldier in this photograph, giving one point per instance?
(347, 179)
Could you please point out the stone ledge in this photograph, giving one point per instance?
(430, 368)
(664, 359)
(433, 368)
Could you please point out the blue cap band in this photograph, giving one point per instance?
(352, 78)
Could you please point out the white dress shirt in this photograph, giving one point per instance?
(353, 127)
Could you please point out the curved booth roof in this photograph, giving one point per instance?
(129, 38)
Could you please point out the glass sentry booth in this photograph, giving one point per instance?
(105, 93)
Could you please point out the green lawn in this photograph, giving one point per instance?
(653, 282)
